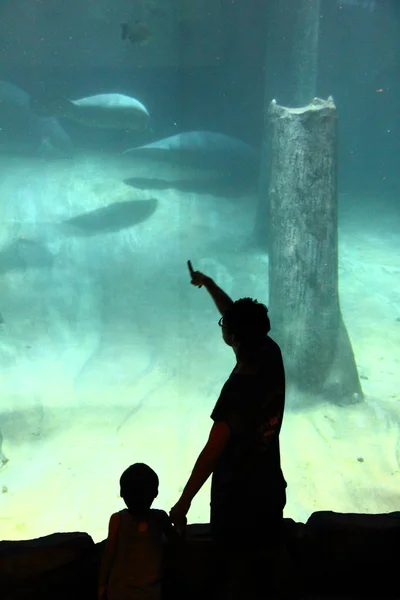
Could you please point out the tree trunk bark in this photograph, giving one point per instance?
(296, 84)
(305, 49)
(303, 252)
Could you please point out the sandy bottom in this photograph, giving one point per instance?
(64, 476)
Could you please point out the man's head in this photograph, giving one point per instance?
(245, 323)
(139, 487)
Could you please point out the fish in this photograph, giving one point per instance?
(105, 111)
(138, 34)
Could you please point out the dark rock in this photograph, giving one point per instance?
(351, 553)
(333, 555)
(31, 568)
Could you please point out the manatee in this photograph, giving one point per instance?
(201, 149)
(106, 111)
(216, 186)
(22, 130)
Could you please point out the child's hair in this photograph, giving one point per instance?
(139, 487)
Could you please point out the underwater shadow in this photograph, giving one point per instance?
(112, 218)
(24, 254)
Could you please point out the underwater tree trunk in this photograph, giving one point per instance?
(298, 85)
(305, 51)
(303, 252)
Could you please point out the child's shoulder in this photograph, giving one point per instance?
(119, 516)
(159, 515)
(160, 518)
(120, 513)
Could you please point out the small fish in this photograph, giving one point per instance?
(138, 34)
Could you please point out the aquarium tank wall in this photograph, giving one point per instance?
(135, 136)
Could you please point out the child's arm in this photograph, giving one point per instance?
(108, 556)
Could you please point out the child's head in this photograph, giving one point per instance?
(139, 487)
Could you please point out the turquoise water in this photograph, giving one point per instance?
(107, 354)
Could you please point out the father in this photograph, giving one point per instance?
(242, 453)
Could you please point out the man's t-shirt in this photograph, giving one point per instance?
(248, 475)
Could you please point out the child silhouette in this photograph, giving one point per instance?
(131, 567)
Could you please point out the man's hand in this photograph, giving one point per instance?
(199, 279)
(196, 278)
(178, 515)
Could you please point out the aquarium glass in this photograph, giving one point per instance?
(134, 137)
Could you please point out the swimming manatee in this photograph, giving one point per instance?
(24, 131)
(201, 149)
(106, 111)
(217, 186)
(233, 162)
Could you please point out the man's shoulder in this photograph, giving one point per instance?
(272, 354)
(272, 346)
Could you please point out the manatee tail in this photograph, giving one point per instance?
(52, 106)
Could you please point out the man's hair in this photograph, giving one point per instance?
(248, 321)
(139, 487)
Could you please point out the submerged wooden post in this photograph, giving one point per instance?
(299, 84)
(303, 252)
(305, 51)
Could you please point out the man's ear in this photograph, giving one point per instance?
(234, 340)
